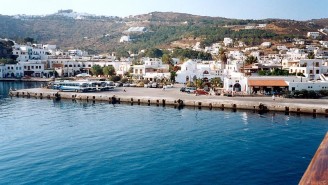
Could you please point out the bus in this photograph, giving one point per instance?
(71, 86)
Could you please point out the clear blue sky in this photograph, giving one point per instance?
(242, 9)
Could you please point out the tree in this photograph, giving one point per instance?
(115, 78)
(250, 60)
(8, 61)
(172, 76)
(166, 59)
(154, 53)
(108, 70)
(216, 82)
(29, 39)
(222, 56)
(96, 70)
(122, 54)
(311, 55)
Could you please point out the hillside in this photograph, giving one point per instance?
(98, 34)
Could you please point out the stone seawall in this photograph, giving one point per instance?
(178, 101)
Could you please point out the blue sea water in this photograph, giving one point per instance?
(65, 142)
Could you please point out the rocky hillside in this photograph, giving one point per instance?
(99, 34)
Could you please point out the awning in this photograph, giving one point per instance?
(261, 83)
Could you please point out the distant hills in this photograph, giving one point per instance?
(100, 34)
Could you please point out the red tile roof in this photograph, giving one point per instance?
(277, 83)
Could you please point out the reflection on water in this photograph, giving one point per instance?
(79, 142)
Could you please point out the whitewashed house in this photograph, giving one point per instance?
(152, 69)
(266, 44)
(282, 47)
(2, 70)
(227, 41)
(324, 44)
(125, 39)
(262, 25)
(313, 35)
(197, 69)
(313, 69)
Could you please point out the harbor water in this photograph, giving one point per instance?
(78, 142)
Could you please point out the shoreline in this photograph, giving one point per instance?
(172, 96)
(26, 80)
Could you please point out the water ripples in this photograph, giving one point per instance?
(65, 142)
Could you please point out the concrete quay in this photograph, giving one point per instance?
(172, 96)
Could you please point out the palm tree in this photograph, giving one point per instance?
(251, 60)
(223, 57)
(311, 55)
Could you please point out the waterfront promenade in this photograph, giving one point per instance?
(172, 95)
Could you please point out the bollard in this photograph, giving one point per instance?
(148, 102)
(157, 102)
(163, 102)
(138, 101)
(199, 105)
(286, 110)
(298, 111)
(234, 107)
(210, 106)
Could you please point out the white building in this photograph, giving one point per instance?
(12, 71)
(77, 53)
(295, 54)
(299, 41)
(227, 42)
(125, 39)
(262, 25)
(313, 69)
(236, 54)
(32, 52)
(324, 44)
(266, 44)
(313, 35)
(197, 69)
(310, 48)
(2, 70)
(152, 69)
(282, 47)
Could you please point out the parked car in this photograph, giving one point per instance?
(190, 89)
(154, 85)
(182, 89)
(201, 92)
(118, 84)
(126, 85)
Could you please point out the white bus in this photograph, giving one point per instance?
(71, 86)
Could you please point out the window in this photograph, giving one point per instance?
(317, 71)
(36, 67)
(24, 67)
(89, 65)
(311, 71)
(32, 67)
